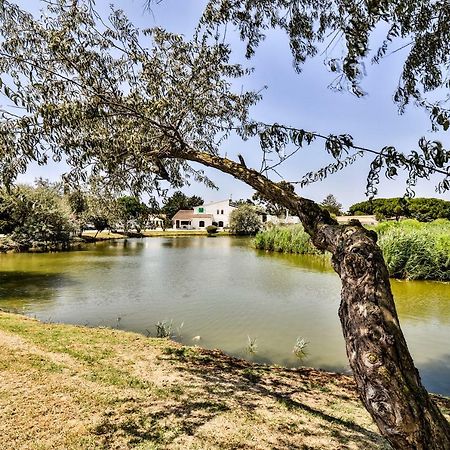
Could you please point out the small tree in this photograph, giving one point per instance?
(78, 205)
(35, 216)
(131, 209)
(245, 221)
(331, 204)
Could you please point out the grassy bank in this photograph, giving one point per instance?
(412, 250)
(78, 388)
(105, 235)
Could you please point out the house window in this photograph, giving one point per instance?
(221, 212)
(220, 224)
(201, 224)
(200, 210)
(217, 211)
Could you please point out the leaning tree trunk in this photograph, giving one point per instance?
(389, 385)
(388, 382)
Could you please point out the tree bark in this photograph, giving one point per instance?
(389, 385)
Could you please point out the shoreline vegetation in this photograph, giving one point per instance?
(8, 245)
(73, 387)
(412, 250)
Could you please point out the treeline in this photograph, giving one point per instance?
(412, 250)
(46, 216)
(422, 209)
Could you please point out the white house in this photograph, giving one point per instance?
(214, 213)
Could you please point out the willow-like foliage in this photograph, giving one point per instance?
(109, 99)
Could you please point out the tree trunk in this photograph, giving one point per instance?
(388, 382)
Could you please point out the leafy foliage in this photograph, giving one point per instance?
(35, 216)
(178, 201)
(420, 28)
(132, 210)
(245, 221)
(89, 91)
(422, 209)
(133, 106)
(331, 204)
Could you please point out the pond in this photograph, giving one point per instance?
(221, 292)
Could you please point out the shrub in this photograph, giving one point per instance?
(211, 229)
(245, 221)
(415, 250)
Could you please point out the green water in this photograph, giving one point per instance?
(223, 291)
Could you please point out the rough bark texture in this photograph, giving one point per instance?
(388, 382)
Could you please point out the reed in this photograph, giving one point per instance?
(412, 250)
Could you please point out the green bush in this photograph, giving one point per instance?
(211, 229)
(245, 221)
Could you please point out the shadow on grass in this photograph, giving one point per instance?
(222, 384)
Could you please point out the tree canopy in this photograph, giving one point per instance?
(140, 100)
(331, 204)
(423, 209)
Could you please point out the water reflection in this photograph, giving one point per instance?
(223, 291)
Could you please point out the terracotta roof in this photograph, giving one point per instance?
(184, 214)
(202, 216)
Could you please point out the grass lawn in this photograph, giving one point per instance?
(68, 387)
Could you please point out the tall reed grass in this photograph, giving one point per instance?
(416, 250)
(286, 239)
(412, 250)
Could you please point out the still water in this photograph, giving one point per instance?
(223, 291)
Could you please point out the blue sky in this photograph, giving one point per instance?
(301, 100)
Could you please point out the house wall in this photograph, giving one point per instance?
(196, 223)
(220, 211)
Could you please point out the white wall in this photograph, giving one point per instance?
(220, 211)
(196, 223)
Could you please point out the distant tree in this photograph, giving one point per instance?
(132, 210)
(274, 208)
(78, 205)
(7, 220)
(179, 201)
(35, 216)
(422, 209)
(245, 221)
(102, 210)
(331, 204)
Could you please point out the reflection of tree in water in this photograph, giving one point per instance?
(436, 374)
(20, 289)
(425, 299)
(124, 246)
(319, 263)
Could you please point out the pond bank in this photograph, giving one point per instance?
(7, 245)
(72, 387)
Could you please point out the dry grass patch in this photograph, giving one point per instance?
(68, 387)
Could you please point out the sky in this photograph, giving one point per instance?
(299, 100)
